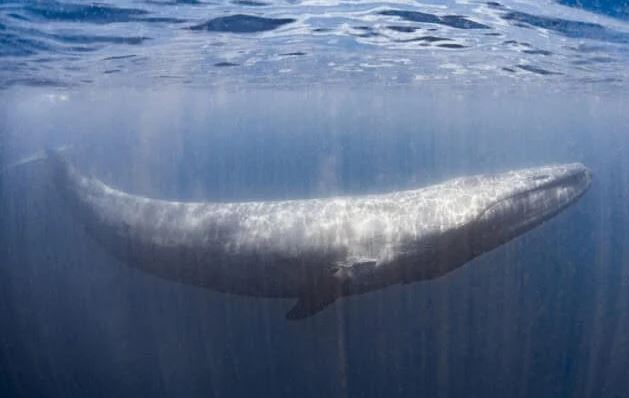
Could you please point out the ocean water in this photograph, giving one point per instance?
(264, 100)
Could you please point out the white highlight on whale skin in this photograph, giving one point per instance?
(318, 250)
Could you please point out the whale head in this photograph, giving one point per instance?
(448, 224)
(519, 200)
(473, 215)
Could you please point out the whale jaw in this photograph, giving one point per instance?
(538, 195)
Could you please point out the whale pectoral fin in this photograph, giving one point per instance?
(309, 305)
(322, 291)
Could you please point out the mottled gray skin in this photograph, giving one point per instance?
(317, 250)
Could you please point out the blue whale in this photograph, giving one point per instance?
(318, 250)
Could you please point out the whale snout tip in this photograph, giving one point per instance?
(571, 174)
(581, 168)
(583, 172)
(588, 174)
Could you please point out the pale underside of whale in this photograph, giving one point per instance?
(317, 250)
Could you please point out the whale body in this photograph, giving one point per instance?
(318, 250)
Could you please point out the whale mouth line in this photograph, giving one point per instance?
(535, 204)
